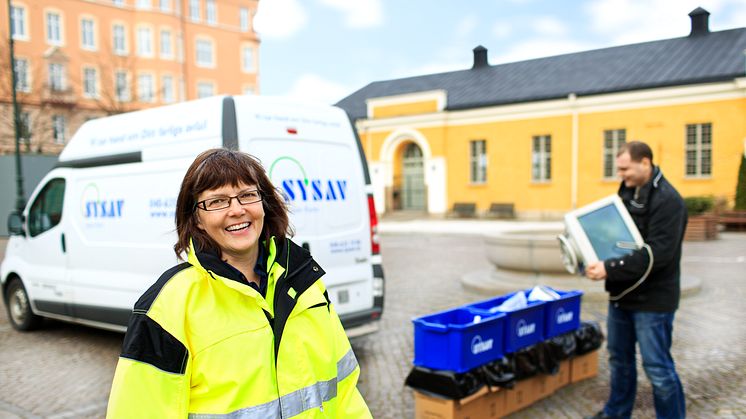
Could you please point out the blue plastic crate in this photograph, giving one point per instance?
(523, 327)
(457, 339)
(563, 315)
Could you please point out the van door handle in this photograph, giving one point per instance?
(64, 247)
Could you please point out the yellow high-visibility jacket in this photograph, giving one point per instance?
(202, 343)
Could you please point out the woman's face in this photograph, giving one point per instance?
(235, 229)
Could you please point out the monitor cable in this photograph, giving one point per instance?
(634, 246)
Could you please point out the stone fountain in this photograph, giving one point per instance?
(523, 258)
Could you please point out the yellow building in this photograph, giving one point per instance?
(80, 59)
(542, 134)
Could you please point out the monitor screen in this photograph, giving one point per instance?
(604, 228)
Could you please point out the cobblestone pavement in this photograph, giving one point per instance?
(64, 371)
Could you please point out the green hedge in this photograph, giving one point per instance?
(741, 186)
(697, 205)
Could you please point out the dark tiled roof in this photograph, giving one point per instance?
(710, 57)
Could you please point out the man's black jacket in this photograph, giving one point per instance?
(660, 214)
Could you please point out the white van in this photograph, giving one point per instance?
(99, 228)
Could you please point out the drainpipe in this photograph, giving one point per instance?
(571, 99)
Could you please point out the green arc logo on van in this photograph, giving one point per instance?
(93, 207)
(297, 163)
(301, 188)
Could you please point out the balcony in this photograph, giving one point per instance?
(53, 95)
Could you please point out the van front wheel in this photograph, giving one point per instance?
(19, 307)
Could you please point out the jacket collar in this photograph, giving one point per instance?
(638, 197)
(213, 265)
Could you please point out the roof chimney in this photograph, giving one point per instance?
(700, 22)
(480, 57)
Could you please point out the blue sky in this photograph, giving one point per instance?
(323, 50)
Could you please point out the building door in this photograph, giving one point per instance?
(413, 178)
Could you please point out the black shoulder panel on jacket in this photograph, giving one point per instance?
(146, 300)
(146, 341)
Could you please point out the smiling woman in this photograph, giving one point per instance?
(185, 352)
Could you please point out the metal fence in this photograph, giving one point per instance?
(34, 169)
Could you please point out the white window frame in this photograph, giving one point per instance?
(84, 34)
(119, 3)
(200, 54)
(477, 162)
(146, 90)
(90, 82)
(57, 78)
(58, 30)
(125, 45)
(244, 19)
(195, 10)
(211, 12)
(541, 159)
(613, 139)
(700, 149)
(164, 5)
(167, 88)
(19, 22)
(123, 94)
(166, 41)
(23, 75)
(144, 46)
(59, 128)
(205, 84)
(252, 62)
(143, 4)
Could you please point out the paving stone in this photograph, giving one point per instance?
(65, 371)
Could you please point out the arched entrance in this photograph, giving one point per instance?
(413, 178)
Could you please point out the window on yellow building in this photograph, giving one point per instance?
(699, 149)
(541, 158)
(613, 139)
(478, 161)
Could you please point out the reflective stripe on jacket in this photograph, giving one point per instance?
(204, 344)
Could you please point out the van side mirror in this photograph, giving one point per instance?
(15, 224)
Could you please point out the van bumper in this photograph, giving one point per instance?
(362, 323)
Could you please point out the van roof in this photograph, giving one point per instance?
(179, 130)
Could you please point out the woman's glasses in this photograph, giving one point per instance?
(222, 202)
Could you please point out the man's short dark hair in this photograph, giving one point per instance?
(637, 151)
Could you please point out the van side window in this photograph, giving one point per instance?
(46, 211)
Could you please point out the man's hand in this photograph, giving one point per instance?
(596, 271)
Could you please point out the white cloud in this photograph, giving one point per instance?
(502, 30)
(313, 88)
(359, 13)
(280, 19)
(626, 22)
(466, 26)
(550, 26)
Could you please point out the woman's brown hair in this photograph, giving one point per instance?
(215, 168)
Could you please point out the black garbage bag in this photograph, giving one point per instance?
(447, 384)
(561, 347)
(525, 362)
(498, 373)
(588, 337)
(546, 362)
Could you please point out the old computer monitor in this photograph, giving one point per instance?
(602, 230)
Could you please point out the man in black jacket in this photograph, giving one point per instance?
(644, 288)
